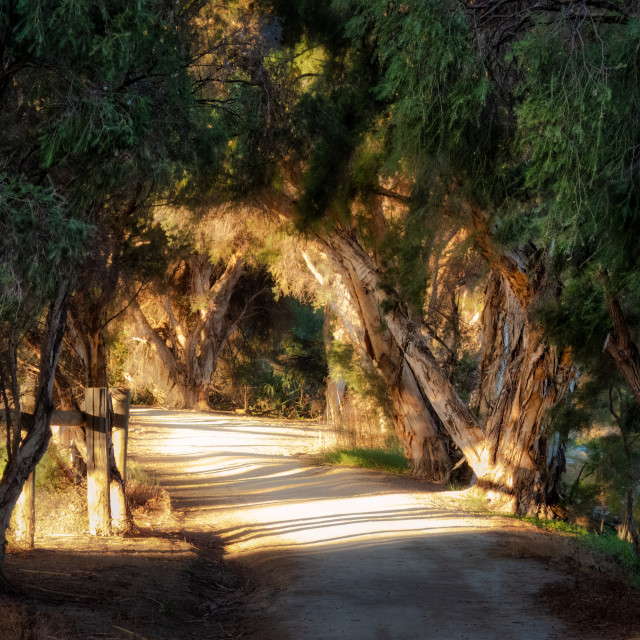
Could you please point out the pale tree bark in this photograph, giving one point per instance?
(514, 454)
(25, 453)
(336, 387)
(192, 348)
(425, 447)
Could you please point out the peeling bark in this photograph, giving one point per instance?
(192, 349)
(424, 445)
(522, 378)
(513, 454)
(621, 348)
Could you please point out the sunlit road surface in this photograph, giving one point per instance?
(354, 554)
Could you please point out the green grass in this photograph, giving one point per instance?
(608, 544)
(390, 460)
(136, 473)
(49, 476)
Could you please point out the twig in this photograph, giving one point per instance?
(62, 593)
(56, 573)
(135, 635)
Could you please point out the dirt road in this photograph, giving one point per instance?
(344, 554)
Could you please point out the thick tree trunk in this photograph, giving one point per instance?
(514, 455)
(24, 460)
(418, 432)
(424, 445)
(195, 396)
(192, 355)
(522, 377)
(621, 348)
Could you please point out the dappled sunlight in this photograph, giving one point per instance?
(352, 552)
(239, 474)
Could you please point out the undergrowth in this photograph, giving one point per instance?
(390, 460)
(144, 492)
(607, 543)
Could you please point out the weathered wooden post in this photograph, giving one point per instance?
(121, 399)
(119, 437)
(96, 409)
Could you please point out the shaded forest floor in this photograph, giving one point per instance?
(231, 560)
(161, 583)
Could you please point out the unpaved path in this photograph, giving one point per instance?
(347, 554)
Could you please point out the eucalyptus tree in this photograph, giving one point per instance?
(101, 116)
(442, 93)
(40, 249)
(579, 126)
(210, 284)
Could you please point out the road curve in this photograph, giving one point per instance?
(352, 554)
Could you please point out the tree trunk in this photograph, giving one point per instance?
(522, 377)
(515, 454)
(418, 432)
(621, 348)
(192, 356)
(195, 396)
(424, 445)
(34, 445)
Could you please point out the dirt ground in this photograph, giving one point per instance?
(158, 584)
(260, 545)
(342, 553)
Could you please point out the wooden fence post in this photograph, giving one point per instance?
(96, 409)
(121, 399)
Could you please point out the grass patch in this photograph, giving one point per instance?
(389, 460)
(607, 544)
(144, 491)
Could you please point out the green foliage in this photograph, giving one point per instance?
(49, 475)
(578, 128)
(601, 467)
(428, 71)
(136, 473)
(279, 357)
(578, 317)
(39, 249)
(348, 365)
(464, 375)
(608, 544)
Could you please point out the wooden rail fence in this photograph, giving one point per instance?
(99, 428)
